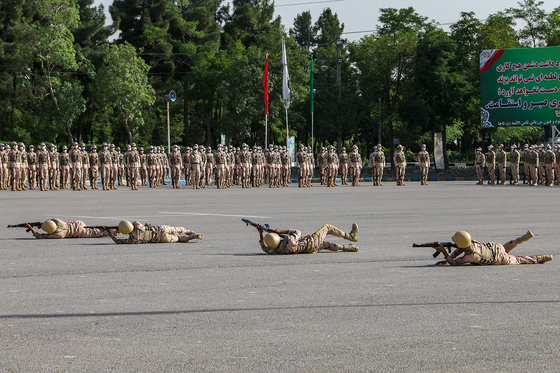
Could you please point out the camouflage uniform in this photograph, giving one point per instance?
(85, 167)
(195, 161)
(146, 233)
(72, 229)
(64, 162)
(93, 167)
(355, 165)
(549, 159)
(143, 168)
(557, 165)
(400, 164)
(293, 243)
(343, 166)
(134, 167)
(44, 163)
(526, 169)
(491, 253)
(209, 166)
(24, 167)
(15, 166)
(76, 166)
(491, 164)
(501, 161)
(514, 165)
(176, 165)
(479, 166)
(106, 162)
(332, 164)
(54, 169)
(533, 165)
(424, 162)
(114, 167)
(541, 165)
(4, 176)
(32, 167)
(152, 167)
(379, 164)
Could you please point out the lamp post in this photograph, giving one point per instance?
(170, 97)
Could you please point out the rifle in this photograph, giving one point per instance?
(265, 227)
(447, 245)
(24, 225)
(106, 227)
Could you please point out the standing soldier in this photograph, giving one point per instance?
(143, 167)
(186, 166)
(491, 164)
(332, 162)
(400, 164)
(245, 164)
(134, 167)
(32, 167)
(64, 161)
(514, 165)
(85, 166)
(106, 163)
(93, 167)
(479, 166)
(533, 165)
(15, 166)
(310, 166)
(321, 163)
(255, 166)
(152, 162)
(44, 163)
(176, 165)
(526, 169)
(501, 161)
(76, 166)
(380, 164)
(3, 167)
(549, 160)
(343, 166)
(355, 165)
(202, 152)
(195, 167)
(54, 168)
(300, 163)
(286, 166)
(120, 167)
(210, 162)
(541, 166)
(424, 162)
(114, 167)
(220, 160)
(126, 159)
(24, 167)
(557, 165)
(373, 166)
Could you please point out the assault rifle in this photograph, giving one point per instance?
(265, 227)
(447, 245)
(106, 227)
(24, 225)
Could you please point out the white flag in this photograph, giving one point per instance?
(285, 78)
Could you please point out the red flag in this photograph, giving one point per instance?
(265, 85)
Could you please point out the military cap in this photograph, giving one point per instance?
(94, 146)
(490, 146)
(31, 147)
(64, 147)
(141, 149)
(118, 148)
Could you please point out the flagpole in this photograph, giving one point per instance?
(287, 134)
(285, 87)
(265, 130)
(265, 86)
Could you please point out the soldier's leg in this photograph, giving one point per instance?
(197, 236)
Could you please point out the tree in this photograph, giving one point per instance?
(129, 94)
(534, 32)
(436, 94)
(303, 31)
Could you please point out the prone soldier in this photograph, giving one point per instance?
(57, 229)
(145, 233)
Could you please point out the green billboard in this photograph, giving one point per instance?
(520, 87)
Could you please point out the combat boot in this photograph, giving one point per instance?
(351, 248)
(544, 258)
(353, 235)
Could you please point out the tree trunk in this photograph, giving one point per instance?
(69, 134)
(444, 141)
(128, 131)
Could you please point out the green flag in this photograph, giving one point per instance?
(311, 82)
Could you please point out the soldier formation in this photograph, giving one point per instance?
(199, 166)
(541, 165)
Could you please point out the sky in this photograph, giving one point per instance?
(360, 17)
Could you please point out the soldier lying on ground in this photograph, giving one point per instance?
(146, 233)
(57, 228)
(290, 241)
(487, 253)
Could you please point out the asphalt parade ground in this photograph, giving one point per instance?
(222, 305)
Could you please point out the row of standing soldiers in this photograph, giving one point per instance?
(540, 165)
(21, 169)
(232, 166)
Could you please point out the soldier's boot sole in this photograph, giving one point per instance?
(544, 258)
(351, 248)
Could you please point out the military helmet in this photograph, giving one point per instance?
(399, 146)
(462, 239)
(141, 149)
(82, 145)
(118, 148)
(64, 147)
(94, 147)
(42, 144)
(31, 147)
(49, 226)
(21, 144)
(125, 227)
(272, 240)
(490, 147)
(133, 144)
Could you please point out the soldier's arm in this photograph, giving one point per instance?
(449, 259)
